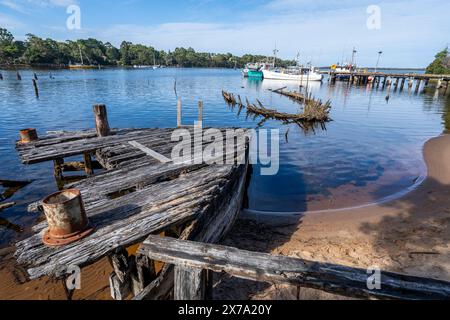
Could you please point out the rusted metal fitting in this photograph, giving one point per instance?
(28, 135)
(66, 217)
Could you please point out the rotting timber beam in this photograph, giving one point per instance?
(338, 279)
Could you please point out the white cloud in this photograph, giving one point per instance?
(13, 6)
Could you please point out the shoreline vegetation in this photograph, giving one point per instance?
(38, 52)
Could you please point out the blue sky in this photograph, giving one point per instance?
(323, 31)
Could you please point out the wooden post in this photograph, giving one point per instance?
(57, 172)
(1, 76)
(36, 90)
(403, 84)
(120, 279)
(179, 113)
(88, 164)
(200, 113)
(145, 273)
(417, 86)
(19, 77)
(189, 284)
(35, 76)
(101, 120)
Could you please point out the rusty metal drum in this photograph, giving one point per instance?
(66, 217)
(28, 135)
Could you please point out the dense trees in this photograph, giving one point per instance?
(36, 50)
(441, 63)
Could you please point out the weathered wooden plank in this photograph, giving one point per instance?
(79, 146)
(280, 269)
(122, 222)
(104, 185)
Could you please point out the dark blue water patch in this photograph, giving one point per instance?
(372, 148)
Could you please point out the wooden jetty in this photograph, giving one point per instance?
(136, 196)
(398, 80)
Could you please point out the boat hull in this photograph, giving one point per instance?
(295, 77)
(255, 74)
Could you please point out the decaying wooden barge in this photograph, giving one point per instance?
(136, 196)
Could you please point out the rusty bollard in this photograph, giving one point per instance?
(66, 217)
(28, 135)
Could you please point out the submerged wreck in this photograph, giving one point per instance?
(314, 112)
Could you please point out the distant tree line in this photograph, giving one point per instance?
(38, 51)
(441, 63)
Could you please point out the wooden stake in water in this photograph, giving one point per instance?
(35, 76)
(19, 77)
(179, 113)
(36, 89)
(101, 120)
(200, 113)
(1, 76)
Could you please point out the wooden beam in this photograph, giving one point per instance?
(332, 278)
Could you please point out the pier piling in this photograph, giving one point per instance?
(200, 113)
(101, 120)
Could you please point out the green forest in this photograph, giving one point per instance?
(37, 51)
(441, 63)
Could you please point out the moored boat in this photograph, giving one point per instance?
(295, 74)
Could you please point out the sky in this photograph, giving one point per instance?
(408, 32)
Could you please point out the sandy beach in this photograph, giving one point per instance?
(408, 235)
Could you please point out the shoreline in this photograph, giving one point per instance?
(409, 234)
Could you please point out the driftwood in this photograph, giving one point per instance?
(4, 206)
(332, 278)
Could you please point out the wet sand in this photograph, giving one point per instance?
(409, 235)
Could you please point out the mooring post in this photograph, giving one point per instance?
(403, 84)
(179, 113)
(417, 86)
(36, 89)
(19, 77)
(200, 113)
(101, 120)
(88, 164)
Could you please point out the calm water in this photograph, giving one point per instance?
(371, 150)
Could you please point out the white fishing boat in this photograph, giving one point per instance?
(294, 74)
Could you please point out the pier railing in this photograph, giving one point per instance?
(194, 263)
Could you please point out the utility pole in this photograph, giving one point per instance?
(353, 56)
(378, 61)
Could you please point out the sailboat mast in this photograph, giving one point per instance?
(81, 54)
